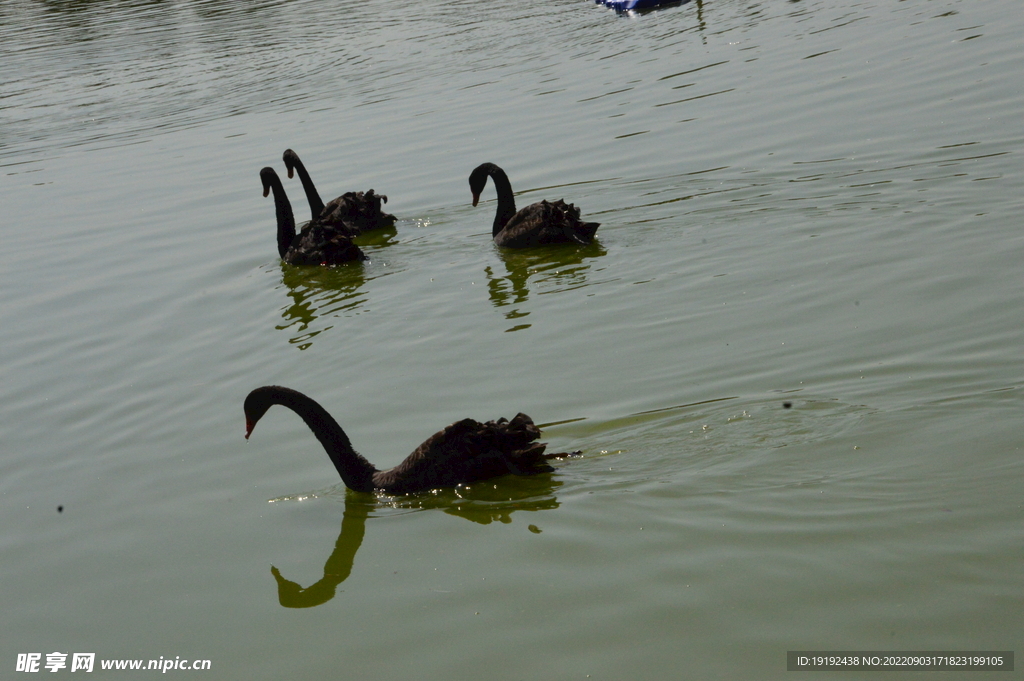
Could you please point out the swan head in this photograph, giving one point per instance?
(256, 405)
(291, 159)
(478, 179)
(267, 175)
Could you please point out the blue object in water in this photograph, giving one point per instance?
(637, 5)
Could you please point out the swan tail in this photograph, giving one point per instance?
(528, 461)
(511, 444)
(515, 434)
(578, 231)
(584, 231)
(563, 455)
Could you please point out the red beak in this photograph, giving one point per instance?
(249, 425)
(476, 197)
(266, 191)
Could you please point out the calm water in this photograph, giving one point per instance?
(807, 202)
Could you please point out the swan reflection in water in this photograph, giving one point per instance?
(553, 269)
(328, 292)
(483, 503)
(338, 567)
(317, 292)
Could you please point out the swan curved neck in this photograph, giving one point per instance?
(355, 471)
(506, 201)
(285, 218)
(316, 206)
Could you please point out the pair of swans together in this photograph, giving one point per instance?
(327, 238)
(466, 451)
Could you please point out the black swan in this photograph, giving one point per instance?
(464, 452)
(537, 224)
(315, 244)
(351, 213)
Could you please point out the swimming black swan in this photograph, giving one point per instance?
(537, 224)
(351, 213)
(464, 452)
(316, 244)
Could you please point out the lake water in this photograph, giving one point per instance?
(813, 203)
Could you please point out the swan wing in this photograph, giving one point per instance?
(353, 213)
(546, 223)
(467, 451)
